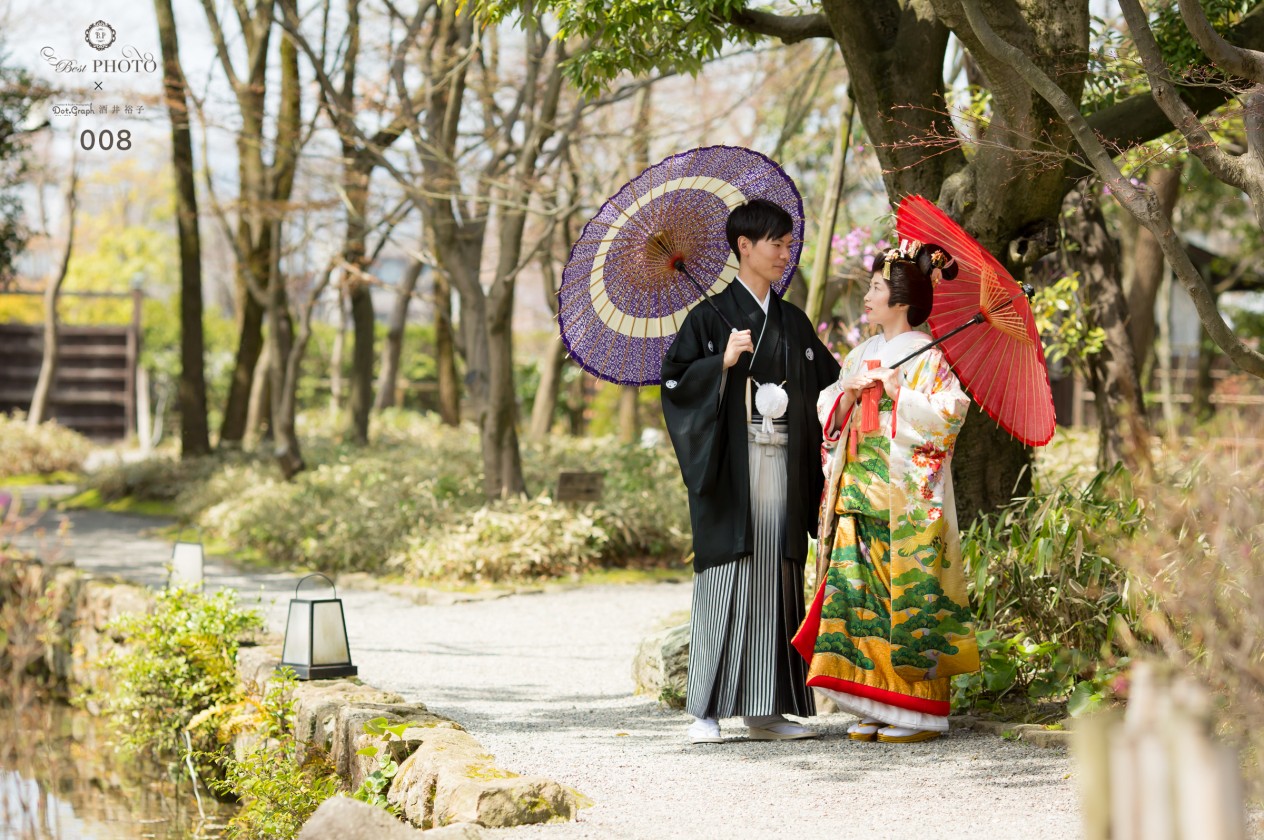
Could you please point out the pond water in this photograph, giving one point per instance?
(62, 778)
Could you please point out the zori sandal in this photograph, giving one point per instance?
(864, 730)
(904, 735)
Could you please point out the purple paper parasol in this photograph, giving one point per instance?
(621, 301)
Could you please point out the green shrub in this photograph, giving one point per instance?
(280, 782)
(350, 513)
(176, 671)
(46, 449)
(412, 504)
(1047, 593)
(159, 478)
(505, 540)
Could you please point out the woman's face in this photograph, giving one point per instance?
(878, 306)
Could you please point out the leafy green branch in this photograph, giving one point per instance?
(375, 786)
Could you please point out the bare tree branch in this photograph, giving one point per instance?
(1139, 202)
(1249, 64)
(1138, 119)
(1225, 167)
(221, 45)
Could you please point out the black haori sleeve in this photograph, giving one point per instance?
(693, 373)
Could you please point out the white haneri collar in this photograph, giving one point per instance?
(763, 304)
(889, 352)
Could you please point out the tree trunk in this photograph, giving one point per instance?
(877, 40)
(629, 422)
(254, 251)
(264, 187)
(629, 426)
(1163, 348)
(286, 353)
(1147, 266)
(259, 411)
(577, 403)
(52, 292)
(335, 358)
(474, 339)
(502, 461)
(815, 305)
(290, 369)
(1201, 406)
(194, 432)
(284, 387)
(360, 400)
(48, 365)
(1122, 433)
(546, 395)
(249, 347)
(1010, 205)
(445, 352)
(990, 468)
(388, 376)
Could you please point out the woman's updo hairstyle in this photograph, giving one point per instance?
(911, 272)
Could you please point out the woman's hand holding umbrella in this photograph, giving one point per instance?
(887, 378)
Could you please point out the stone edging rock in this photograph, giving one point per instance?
(445, 775)
(1028, 733)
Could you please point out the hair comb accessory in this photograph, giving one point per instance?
(940, 261)
(906, 251)
(889, 256)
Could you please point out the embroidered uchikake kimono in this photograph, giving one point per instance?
(890, 623)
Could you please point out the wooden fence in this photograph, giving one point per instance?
(1157, 772)
(1075, 402)
(95, 389)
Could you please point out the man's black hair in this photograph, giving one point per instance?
(757, 220)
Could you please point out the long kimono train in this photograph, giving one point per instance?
(753, 497)
(890, 623)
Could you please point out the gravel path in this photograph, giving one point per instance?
(543, 681)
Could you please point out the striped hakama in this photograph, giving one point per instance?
(744, 612)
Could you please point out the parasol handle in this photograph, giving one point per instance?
(679, 265)
(979, 318)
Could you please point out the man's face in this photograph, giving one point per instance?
(766, 259)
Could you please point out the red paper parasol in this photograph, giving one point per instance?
(1000, 361)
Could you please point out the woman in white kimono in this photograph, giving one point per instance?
(890, 623)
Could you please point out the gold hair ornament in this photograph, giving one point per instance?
(907, 250)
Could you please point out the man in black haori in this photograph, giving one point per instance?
(740, 406)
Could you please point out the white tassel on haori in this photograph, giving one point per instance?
(772, 401)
